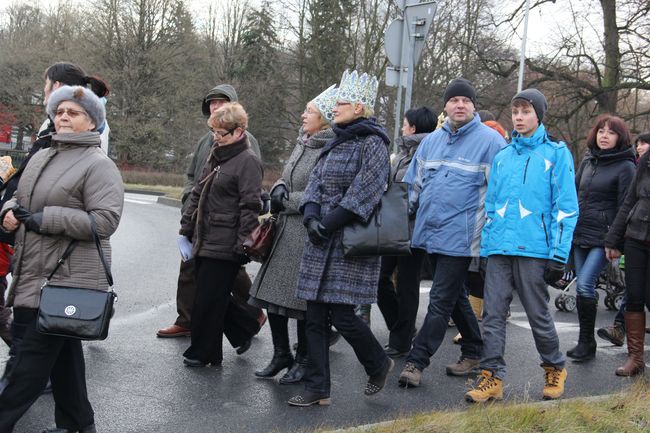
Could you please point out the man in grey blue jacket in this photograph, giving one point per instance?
(447, 182)
(532, 209)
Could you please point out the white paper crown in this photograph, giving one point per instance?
(355, 88)
(325, 102)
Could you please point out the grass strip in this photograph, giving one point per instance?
(168, 191)
(625, 412)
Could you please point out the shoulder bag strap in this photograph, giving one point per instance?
(98, 244)
(72, 245)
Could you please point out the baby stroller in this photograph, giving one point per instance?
(611, 281)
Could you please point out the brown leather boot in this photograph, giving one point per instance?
(635, 333)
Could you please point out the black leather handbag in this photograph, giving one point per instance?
(75, 312)
(387, 232)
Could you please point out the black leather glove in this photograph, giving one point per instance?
(278, 195)
(244, 259)
(20, 213)
(33, 222)
(553, 272)
(317, 233)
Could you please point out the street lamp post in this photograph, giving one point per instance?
(522, 54)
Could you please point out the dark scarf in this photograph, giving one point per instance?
(361, 127)
(221, 154)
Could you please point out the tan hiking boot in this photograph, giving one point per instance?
(410, 376)
(554, 379)
(463, 367)
(487, 388)
(615, 334)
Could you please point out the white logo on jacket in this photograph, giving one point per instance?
(70, 310)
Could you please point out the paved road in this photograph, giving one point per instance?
(137, 383)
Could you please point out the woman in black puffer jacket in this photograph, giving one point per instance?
(602, 182)
(631, 228)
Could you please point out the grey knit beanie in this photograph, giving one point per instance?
(535, 98)
(82, 96)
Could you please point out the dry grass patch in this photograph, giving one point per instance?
(627, 412)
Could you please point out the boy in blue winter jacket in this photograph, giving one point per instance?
(532, 209)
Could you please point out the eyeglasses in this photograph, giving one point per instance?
(70, 112)
(310, 111)
(219, 134)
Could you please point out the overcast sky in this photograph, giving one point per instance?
(547, 23)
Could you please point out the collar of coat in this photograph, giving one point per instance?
(90, 138)
(538, 137)
(463, 129)
(224, 153)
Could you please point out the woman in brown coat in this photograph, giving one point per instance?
(63, 190)
(222, 212)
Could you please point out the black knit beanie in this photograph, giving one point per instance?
(460, 87)
(535, 98)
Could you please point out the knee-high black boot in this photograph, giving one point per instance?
(586, 348)
(282, 357)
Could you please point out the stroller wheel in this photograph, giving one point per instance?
(559, 302)
(569, 303)
(618, 300)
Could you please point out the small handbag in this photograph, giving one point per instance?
(75, 312)
(258, 243)
(387, 232)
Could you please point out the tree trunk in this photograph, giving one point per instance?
(608, 99)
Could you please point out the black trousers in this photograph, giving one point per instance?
(186, 291)
(399, 304)
(213, 314)
(280, 334)
(38, 358)
(368, 350)
(637, 275)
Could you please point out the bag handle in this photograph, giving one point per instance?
(73, 244)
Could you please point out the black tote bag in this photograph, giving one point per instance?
(387, 232)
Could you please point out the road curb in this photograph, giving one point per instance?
(168, 201)
(143, 191)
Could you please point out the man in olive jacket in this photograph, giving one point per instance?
(185, 292)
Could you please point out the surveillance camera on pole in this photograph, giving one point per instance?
(403, 43)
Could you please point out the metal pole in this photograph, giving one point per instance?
(522, 54)
(398, 105)
(411, 71)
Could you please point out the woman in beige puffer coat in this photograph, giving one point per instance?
(62, 190)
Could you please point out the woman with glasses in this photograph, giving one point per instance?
(223, 209)
(275, 285)
(64, 191)
(56, 75)
(346, 185)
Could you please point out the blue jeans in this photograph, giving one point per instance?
(447, 298)
(589, 264)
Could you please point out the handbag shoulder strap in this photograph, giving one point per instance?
(73, 244)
